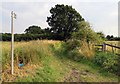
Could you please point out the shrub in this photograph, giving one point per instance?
(75, 55)
(108, 61)
(72, 44)
(71, 49)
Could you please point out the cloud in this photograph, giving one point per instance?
(101, 15)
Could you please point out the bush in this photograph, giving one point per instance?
(71, 48)
(75, 55)
(72, 44)
(108, 61)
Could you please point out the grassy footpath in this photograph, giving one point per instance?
(54, 66)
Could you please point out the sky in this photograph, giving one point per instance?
(101, 14)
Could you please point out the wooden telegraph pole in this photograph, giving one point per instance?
(13, 15)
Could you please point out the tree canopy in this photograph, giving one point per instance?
(63, 21)
(34, 30)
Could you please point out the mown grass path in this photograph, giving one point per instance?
(73, 76)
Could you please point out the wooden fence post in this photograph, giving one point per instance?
(104, 47)
(112, 50)
(119, 46)
(115, 48)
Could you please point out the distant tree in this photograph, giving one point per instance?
(63, 21)
(34, 30)
(108, 37)
(116, 38)
(47, 30)
(112, 37)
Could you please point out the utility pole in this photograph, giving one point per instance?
(13, 15)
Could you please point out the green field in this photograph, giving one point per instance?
(46, 61)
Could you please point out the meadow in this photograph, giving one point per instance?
(48, 61)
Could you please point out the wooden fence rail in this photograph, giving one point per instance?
(104, 45)
(113, 46)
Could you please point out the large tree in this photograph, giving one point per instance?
(63, 21)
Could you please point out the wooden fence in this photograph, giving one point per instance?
(104, 47)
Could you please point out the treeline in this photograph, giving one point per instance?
(24, 37)
(32, 33)
(48, 36)
(112, 38)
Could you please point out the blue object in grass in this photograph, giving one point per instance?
(20, 65)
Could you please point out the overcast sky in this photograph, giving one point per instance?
(102, 14)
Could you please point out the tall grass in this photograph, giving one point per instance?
(87, 50)
(29, 52)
